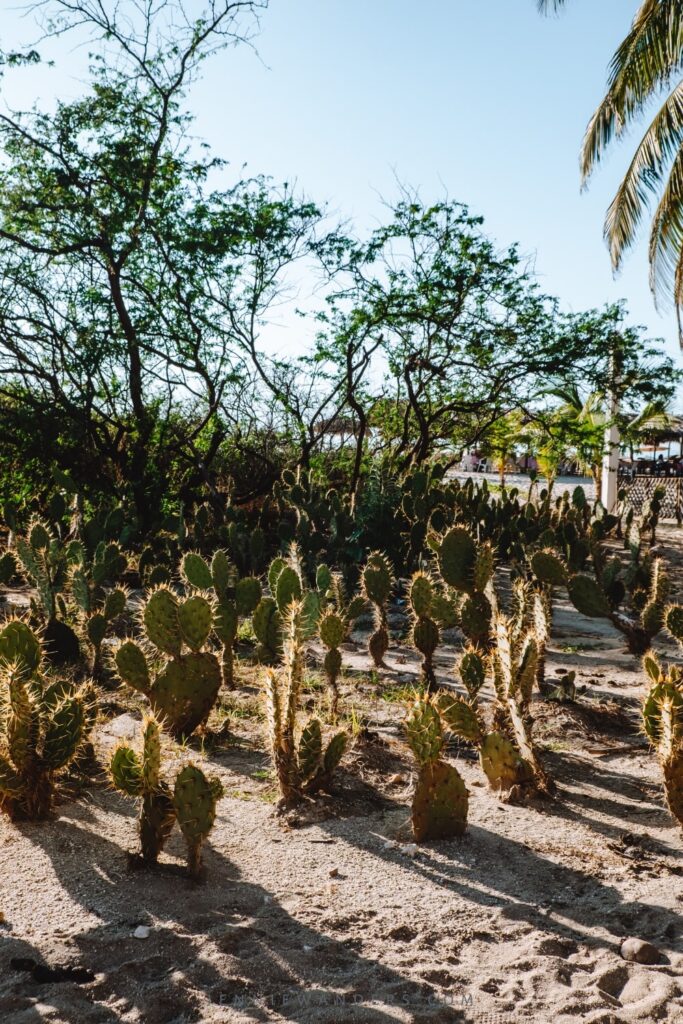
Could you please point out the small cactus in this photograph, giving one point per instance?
(378, 582)
(192, 802)
(440, 800)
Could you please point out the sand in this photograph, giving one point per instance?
(332, 914)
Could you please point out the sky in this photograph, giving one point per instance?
(484, 101)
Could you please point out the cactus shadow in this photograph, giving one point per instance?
(587, 807)
(225, 941)
(524, 887)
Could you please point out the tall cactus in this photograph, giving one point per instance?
(467, 567)
(431, 611)
(306, 765)
(334, 626)
(515, 663)
(234, 599)
(184, 689)
(663, 723)
(378, 581)
(42, 725)
(440, 800)
(45, 560)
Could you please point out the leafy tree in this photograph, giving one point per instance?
(131, 291)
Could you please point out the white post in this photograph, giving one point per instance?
(610, 468)
(610, 459)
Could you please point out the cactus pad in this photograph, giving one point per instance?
(587, 597)
(548, 568)
(160, 618)
(457, 559)
(421, 594)
(439, 809)
(19, 646)
(195, 619)
(674, 621)
(332, 629)
(194, 800)
(132, 667)
(196, 571)
(423, 732)
(185, 691)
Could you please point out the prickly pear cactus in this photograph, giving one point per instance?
(46, 562)
(140, 776)
(378, 582)
(183, 690)
(194, 799)
(515, 663)
(548, 568)
(332, 630)
(472, 671)
(425, 632)
(307, 765)
(42, 727)
(663, 723)
(234, 598)
(458, 558)
(440, 799)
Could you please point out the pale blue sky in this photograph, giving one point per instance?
(481, 99)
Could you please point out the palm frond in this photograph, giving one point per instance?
(642, 65)
(666, 238)
(645, 176)
(550, 6)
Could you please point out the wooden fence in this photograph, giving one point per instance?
(639, 489)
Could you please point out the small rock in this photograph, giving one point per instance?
(333, 872)
(396, 780)
(141, 932)
(410, 849)
(640, 952)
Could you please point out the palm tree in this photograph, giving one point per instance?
(647, 64)
(583, 423)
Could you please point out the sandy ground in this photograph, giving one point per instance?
(333, 915)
